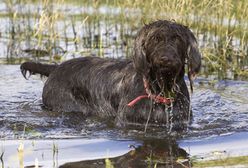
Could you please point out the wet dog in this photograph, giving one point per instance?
(148, 88)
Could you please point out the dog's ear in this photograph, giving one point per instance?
(141, 63)
(194, 60)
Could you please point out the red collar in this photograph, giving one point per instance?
(156, 98)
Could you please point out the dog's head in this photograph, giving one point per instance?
(161, 51)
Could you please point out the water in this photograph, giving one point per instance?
(220, 108)
(234, 144)
(217, 108)
(220, 111)
(58, 152)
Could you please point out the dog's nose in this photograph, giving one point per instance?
(171, 64)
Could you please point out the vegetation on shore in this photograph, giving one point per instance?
(223, 162)
(108, 27)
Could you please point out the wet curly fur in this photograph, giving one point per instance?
(104, 86)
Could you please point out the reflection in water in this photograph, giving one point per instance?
(153, 152)
(52, 153)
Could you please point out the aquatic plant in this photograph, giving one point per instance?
(108, 163)
(107, 28)
(1, 158)
(21, 154)
(55, 150)
(228, 161)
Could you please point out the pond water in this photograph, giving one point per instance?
(220, 115)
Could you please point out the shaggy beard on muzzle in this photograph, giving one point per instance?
(162, 82)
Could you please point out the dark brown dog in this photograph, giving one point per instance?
(150, 88)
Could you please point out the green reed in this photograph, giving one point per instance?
(220, 25)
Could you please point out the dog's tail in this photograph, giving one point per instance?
(37, 68)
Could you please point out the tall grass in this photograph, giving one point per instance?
(108, 27)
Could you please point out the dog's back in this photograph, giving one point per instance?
(84, 84)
